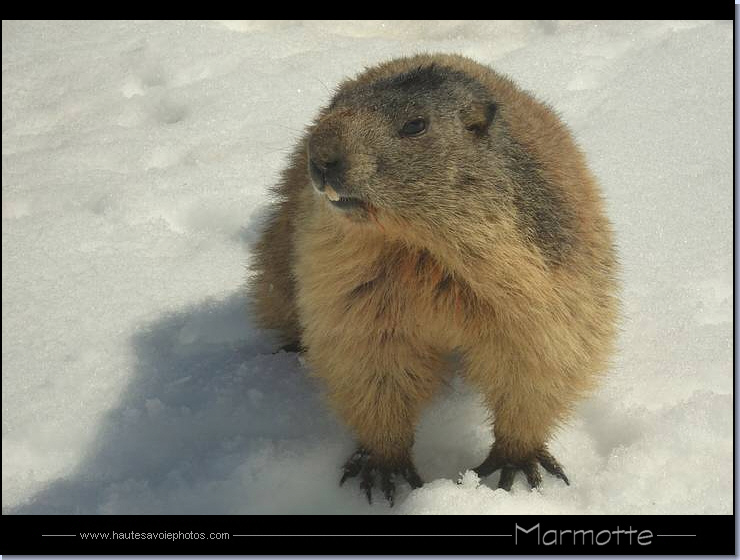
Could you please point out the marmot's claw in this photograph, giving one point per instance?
(367, 482)
(354, 464)
(549, 463)
(497, 460)
(362, 463)
(507, 478)
(411, 476)
(291, 347)
(534, 478)
(387, 486)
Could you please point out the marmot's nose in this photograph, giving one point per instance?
(323, 172)
(327, 163)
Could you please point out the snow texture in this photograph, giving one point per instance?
(136, 163)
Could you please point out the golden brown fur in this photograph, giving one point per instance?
(494, 244)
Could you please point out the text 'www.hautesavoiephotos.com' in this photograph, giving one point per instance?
(161, 535)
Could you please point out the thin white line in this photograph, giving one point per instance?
(58, 535)
(675, 535)
(432, 535)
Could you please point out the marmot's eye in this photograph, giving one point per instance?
(414, 127)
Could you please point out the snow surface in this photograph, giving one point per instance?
(137, 158)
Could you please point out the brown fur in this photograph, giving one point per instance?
(484, 238)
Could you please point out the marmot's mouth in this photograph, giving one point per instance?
(342, 202)
(347, 203)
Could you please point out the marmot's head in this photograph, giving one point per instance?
(413, 144)
(441, 144)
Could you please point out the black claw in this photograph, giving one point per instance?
(349, 472)
(386, 484)
(529, 466)
(353, 465)
(367, 482)
(291, 347)
(550, 464)
(412, 477)
(371, 472)
(507, 478)
(534, 478)
(491, 464)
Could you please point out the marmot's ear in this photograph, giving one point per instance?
(478, 116)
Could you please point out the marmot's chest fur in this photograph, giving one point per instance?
(434, 206)
(395, 289)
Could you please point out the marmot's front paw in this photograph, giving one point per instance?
(362, 462)
(497, 460)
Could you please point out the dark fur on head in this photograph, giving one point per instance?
(464, 168)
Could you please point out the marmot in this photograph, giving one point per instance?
(435, 207)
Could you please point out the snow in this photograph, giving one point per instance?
(137, 158)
